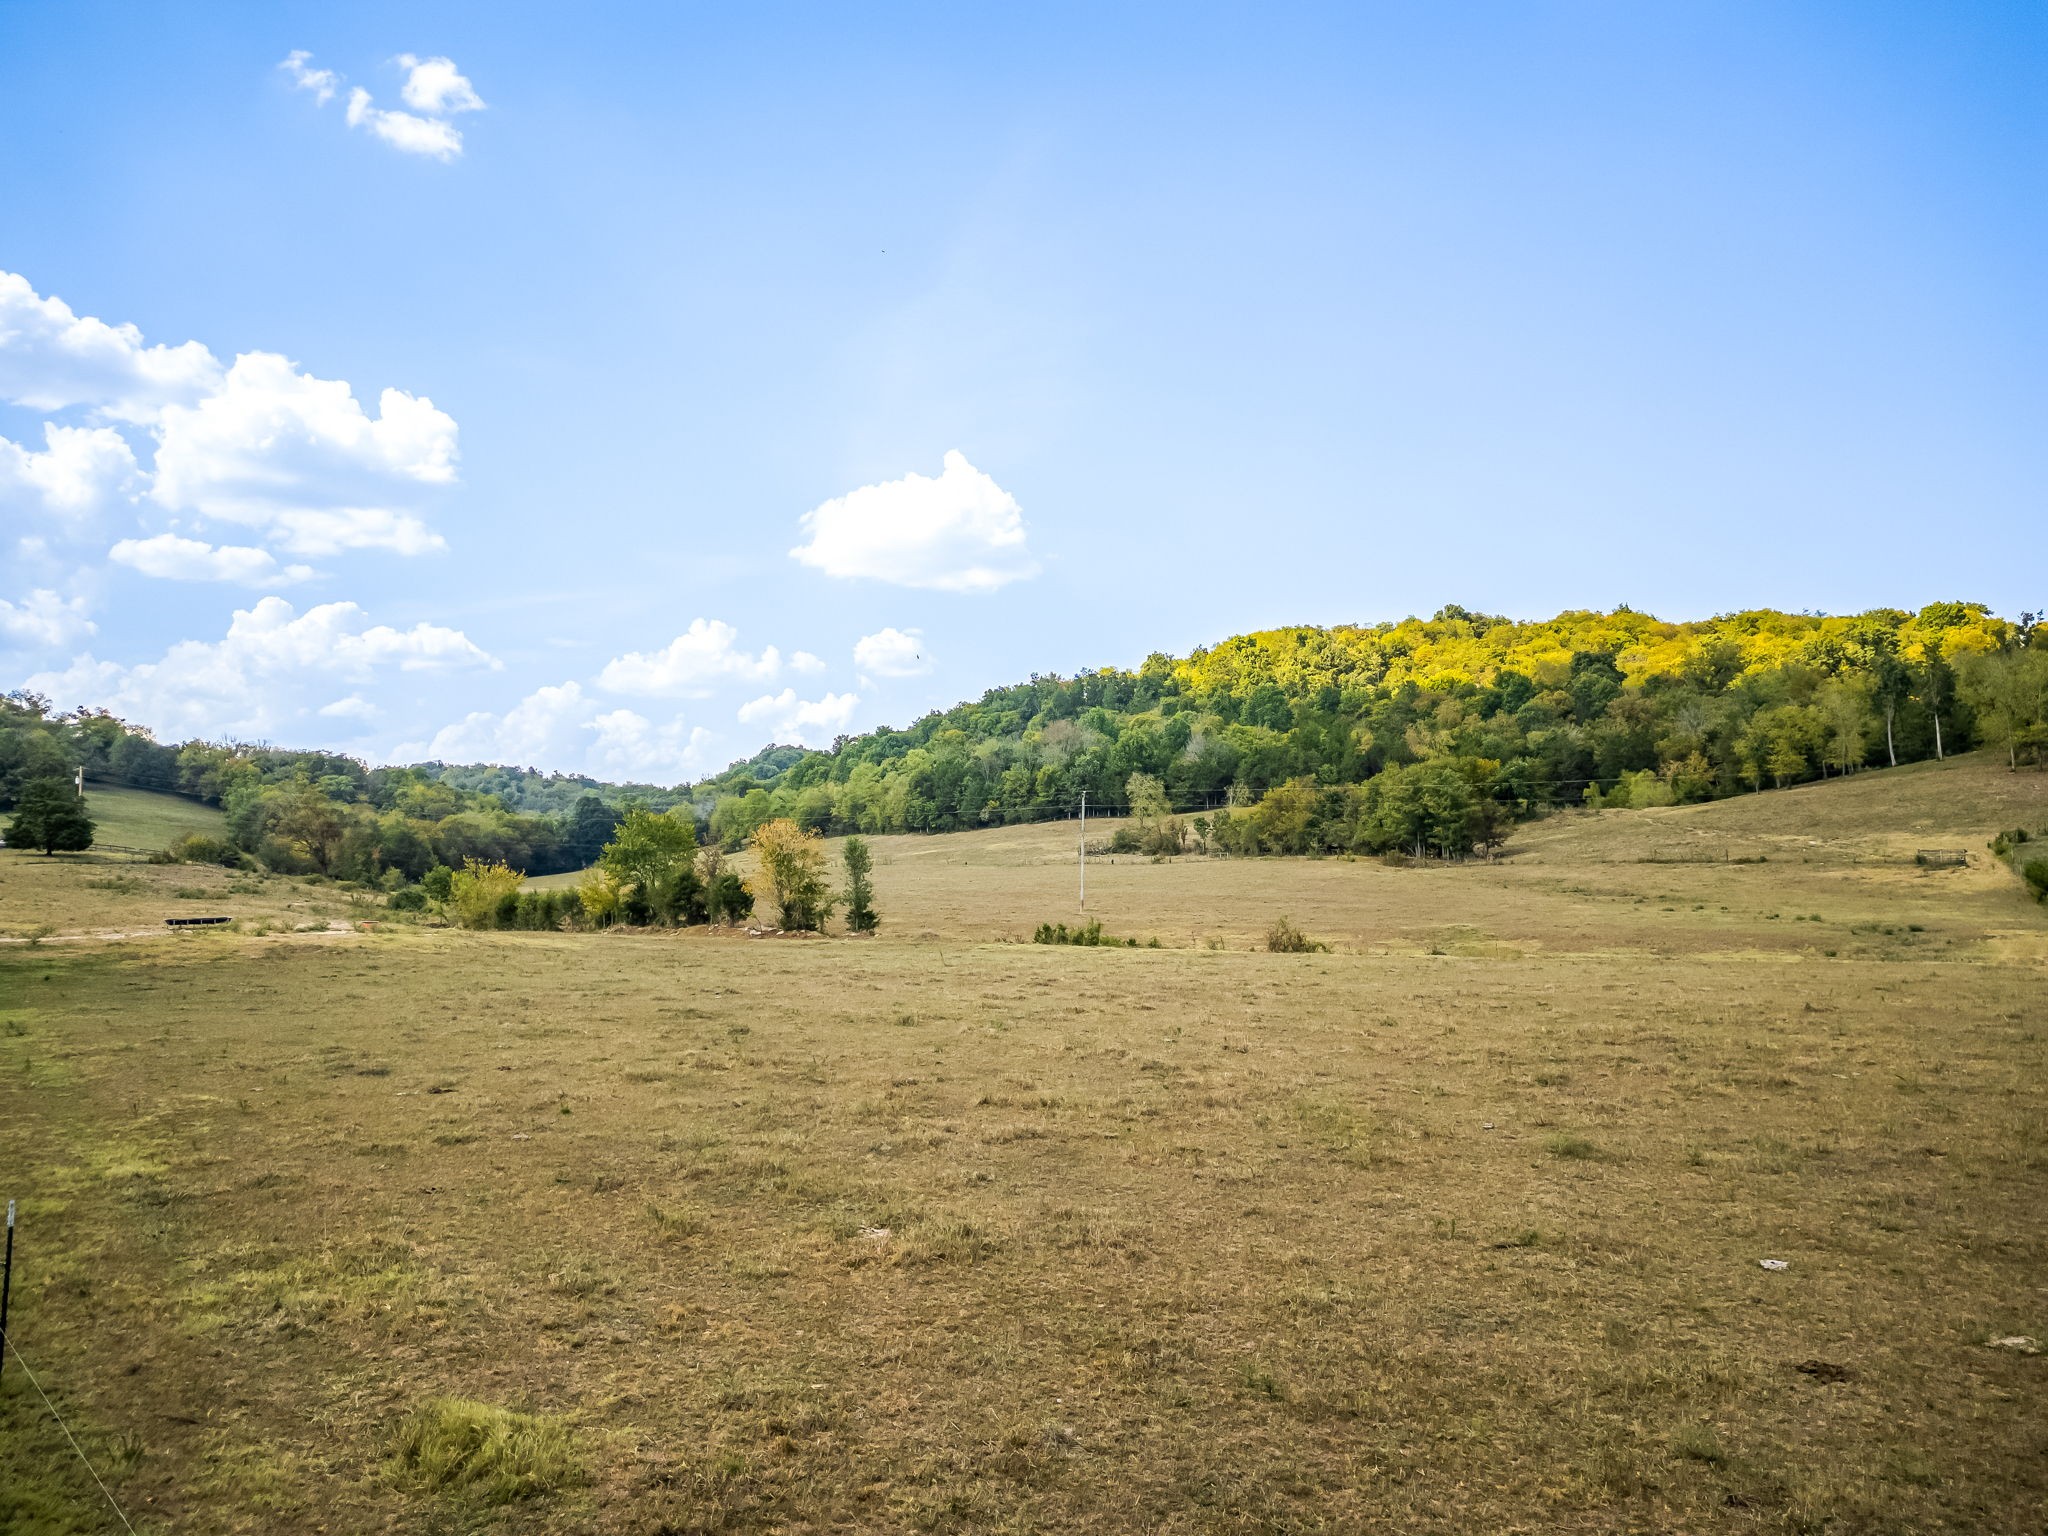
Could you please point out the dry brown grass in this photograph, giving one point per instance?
(935, 1232)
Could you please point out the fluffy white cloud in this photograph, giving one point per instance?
(352, 707)
(254, 679)
(892, 653)
(804, 661)
(689, 665)
(261, 443)
(402, 130)
(79, 470)
(51, 359)
(959, 533)
(806, 722)
(178, 559)
(630, 746)
(44, 621)
(545, 727)
(437, 87)
(562, 727)
(321, 82)
(278, 447)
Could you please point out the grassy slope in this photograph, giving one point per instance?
(934, 1233)
(141, 818)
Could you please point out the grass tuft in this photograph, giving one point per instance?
(494, 1455)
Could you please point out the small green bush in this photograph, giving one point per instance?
(2035, 873)
(410, 898)
(492, 1454)
(198, 848)
(1088, 936)
(1283, 938)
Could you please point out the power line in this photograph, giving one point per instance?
(111, 1500)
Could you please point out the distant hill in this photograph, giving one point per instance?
(1428, 733)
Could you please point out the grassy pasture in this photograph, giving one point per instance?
(141, 818)
(1453, 1228)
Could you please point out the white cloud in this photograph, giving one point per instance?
(806, 722)
(44, 621)
(402, 130)
(959, 533)
(262, 443)
(543, 728)
(321, 82)
(179, 559)
(435, 86)
(255, 678)
(52, 359)
(278, 447)
(688, 666)
(630, 746)
(79, 470)
(892, 653)
(562, 727)
(804, 661)
(353, 707)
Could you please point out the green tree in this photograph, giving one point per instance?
(1845, 706)
(793, 862)
(651, 860)
(477, 893)
(860, 891)
(2009, 691)
(50, 814)
(307, 821)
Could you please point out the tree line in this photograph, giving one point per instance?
(1431, 735)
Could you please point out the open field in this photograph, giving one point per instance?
(141, 818)
(1453, 1228)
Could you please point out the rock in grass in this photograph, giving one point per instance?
(454, 1444)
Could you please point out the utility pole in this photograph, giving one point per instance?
(81, 781)
(1084, 850)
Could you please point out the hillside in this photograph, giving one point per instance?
(1432, 735)
(148, 819)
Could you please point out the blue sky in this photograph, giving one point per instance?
(1048, 336)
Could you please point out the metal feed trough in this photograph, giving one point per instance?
(1942, 856)
(195, 922)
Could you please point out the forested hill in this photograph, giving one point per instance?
(1423, 735)
(1432, 732)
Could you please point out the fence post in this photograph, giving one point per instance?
(6, 1286)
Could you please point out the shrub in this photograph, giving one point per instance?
(794, 862)
(727, 898)
(491, 1454)
(198, 848)
(860, 890)
(2035, 873)
(1087, 936)
(410, 899)
(438, 881)
(1283, 938)
(598, 895)
(477, 892)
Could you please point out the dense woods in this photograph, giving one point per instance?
(1429, 736)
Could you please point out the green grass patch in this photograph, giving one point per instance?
(491, 1454)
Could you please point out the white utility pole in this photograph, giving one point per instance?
(1084, 850)
(81, 782)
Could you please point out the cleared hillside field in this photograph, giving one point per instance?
(1454, 1228)
(142, 818)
